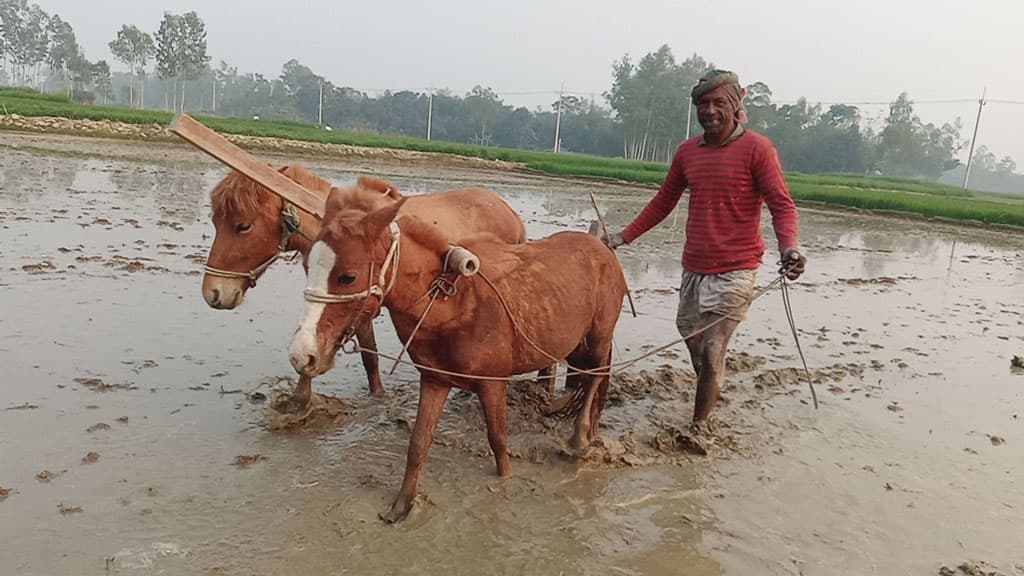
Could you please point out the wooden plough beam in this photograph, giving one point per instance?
(220, 148)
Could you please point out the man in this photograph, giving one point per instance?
(729, 172)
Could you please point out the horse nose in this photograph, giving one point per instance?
(214, 298)
(304, 363)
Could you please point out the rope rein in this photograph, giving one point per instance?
(609, 370)
(441, 285)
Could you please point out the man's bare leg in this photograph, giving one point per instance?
(712, 350)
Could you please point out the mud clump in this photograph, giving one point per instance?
(91, 458)
(1017, 364)
(665, 382)
(785, 377)
(882, 280)
(65, 509)
(5, 492)
(286, 412)
(971, 568)
(99, 385)
(743, 362)
(248, 459)
(40, 267)
(46, 475)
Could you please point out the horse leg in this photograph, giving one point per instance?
(548, 377)
(303, 392)
(712, 367)
(582, 358)
(581, 432)
(598, 406)
(493, 401)
(368, 341)
(433, 394)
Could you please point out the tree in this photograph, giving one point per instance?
(908, 147)
(64, 50)
(34, 40)
(194, 57)
(134, 48)
(651, 100)
(101, 80)
(181, 50)
(483, 104)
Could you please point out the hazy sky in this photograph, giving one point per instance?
(854, 51)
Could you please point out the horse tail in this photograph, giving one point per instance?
(567, 405)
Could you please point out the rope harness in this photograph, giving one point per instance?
(373, 289)
(442, 286)
(290, 225)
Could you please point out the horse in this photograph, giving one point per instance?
(529, 304)
(254, 227)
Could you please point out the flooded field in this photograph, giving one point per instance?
(134, 437)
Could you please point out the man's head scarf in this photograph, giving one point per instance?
(734, 91)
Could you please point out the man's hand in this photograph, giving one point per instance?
(613, 240)
(793, 263)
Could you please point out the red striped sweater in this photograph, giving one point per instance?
(727, 186)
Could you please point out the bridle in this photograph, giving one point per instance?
(380, 288)
(290, 224)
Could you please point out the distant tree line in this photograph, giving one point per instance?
(643, 115)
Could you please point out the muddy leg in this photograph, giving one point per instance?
(303, 391)
(582, 433)
(598, 405)
(492, 400)
(367, 340)
(712, 371)
(695, 345)
(432, 397)
(548, 377)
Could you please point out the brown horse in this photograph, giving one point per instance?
(254, 227)
(558, 297)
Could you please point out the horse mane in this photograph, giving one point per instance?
(348, 206)
(237, 193)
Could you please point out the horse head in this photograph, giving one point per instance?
(253, 227)
(351, 267)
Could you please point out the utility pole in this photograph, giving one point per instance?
(558, 117)
(970, 155)
(215, 94)
(320, 110)
(430, 110)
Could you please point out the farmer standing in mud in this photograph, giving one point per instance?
(729, 172)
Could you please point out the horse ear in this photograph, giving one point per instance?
(375, 222)
(380, 185)
(333, 202)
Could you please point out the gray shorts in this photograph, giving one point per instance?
(704, 297)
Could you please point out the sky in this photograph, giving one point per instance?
(857, 51)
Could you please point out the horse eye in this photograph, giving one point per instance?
(243, 228)
(346, 278)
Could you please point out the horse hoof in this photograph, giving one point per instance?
(396, 513)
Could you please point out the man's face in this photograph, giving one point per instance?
(715, 111)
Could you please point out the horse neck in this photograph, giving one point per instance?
(417, 268)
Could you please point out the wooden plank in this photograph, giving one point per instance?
(222, 149)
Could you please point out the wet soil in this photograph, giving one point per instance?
(907, 466)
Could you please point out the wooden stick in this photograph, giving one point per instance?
(222, 149)
(604, 229)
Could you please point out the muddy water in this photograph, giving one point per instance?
(911, 462)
